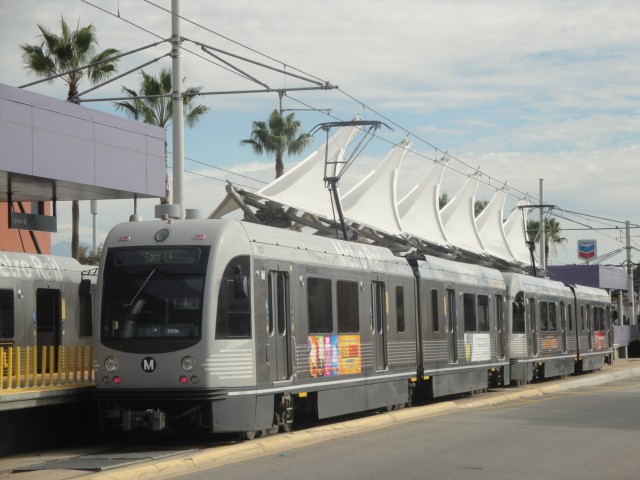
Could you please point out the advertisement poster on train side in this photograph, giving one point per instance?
(601, 341)
(477, 347)
(331, 355)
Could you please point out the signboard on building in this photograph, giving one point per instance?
(587, 249)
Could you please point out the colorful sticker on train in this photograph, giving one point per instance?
(601, 341)
(331, 355)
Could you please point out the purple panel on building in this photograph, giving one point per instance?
(599, 276)
(75, 153)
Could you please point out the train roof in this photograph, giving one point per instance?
(518, 281)
(592, 293)
(464, 273)
(184, 231)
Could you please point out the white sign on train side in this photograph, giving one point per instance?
(356, 256)
(30, 266)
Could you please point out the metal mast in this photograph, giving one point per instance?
(177, 108)
(631, 294)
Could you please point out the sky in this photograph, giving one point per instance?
(523, 90)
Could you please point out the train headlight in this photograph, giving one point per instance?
(111, 364)
(188, 364)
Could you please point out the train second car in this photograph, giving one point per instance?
(45, 301)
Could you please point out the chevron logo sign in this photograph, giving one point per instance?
(587, 249)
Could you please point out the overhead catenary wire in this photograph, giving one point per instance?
(484, 178)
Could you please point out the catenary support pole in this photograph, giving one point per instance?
(177, 108)
(543, 256)
(632, 312)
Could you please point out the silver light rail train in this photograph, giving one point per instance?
(233, 327)
(45, 301)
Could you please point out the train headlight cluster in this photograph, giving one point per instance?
(111, 364)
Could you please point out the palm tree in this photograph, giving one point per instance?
(152, 104)
(277, 135)
(479, 206)
(443, 200)
(552, 236)
(62, 53)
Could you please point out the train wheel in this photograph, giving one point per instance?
(286, 427)
(248, 435)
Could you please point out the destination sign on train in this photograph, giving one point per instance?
(158, 256)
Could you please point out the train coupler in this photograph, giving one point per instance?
(154, 420)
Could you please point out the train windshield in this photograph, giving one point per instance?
(152, 298)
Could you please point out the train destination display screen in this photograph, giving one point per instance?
(157, 256)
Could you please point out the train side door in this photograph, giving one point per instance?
(500, 330)
(563, 327)
(379, 324)
(532, 318)
(589, 318)
(279, 325)
(452, 326)
(49, 319)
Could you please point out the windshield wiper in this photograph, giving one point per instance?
(144, 285)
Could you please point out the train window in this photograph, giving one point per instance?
(548, 316)
(570, 316)
(553, 317)
(435, 313)
(518, 325)
(469, 306)
(582, 317)
(84, 294)
(400, 308)
(483, 313)
(348, 313)
(6, 314)
(234, 302)
(544, 316)
(319, 305)
(599, 319)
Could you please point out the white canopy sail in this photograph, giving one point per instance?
(515, 231)
(372, 202)
(419, 210)
(491, 230)
(303, 187)
(458, 218)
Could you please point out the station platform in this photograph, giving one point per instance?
(34, 377)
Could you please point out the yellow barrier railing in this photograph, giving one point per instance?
(30, 367)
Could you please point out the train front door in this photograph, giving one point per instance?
(379, 324)
(48, 320)
(279, 325)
